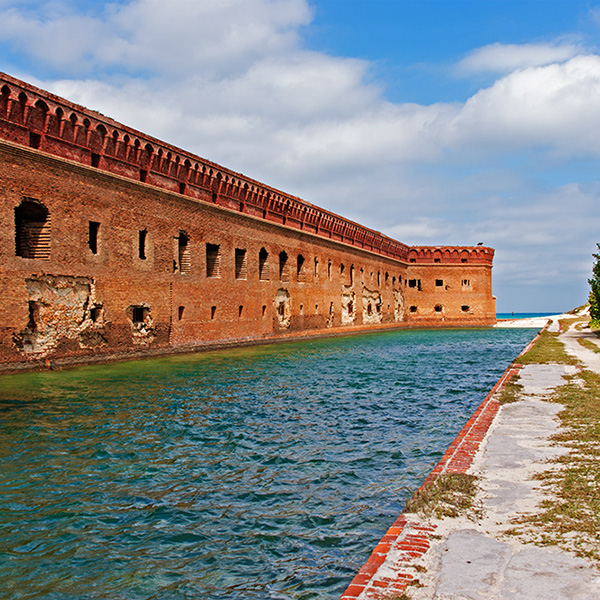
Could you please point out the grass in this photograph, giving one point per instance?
(510, 391)
(547, 349)
(446, 496)
(589, 344)
(569, 517)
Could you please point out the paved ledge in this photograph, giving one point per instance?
(468, 558)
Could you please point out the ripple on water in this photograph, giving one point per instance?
(268, 472)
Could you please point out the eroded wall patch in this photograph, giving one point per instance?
(61, 307)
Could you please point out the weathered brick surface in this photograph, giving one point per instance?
(152, 292)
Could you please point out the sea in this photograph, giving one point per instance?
(256, 473)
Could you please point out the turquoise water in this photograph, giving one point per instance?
(525, 315)
(260, 473)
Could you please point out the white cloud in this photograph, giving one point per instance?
(230, 80)
(504, 58)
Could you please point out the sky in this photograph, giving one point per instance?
(436, 122)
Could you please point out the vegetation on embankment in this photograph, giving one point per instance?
(569, 516)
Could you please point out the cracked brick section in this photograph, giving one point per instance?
(391, 566)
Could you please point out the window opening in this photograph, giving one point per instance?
(414, 283)
(264, 310)
(142, 235)
(413, 309)
(316, 267)
(95, 160)
(184, 260)
(302, 309)
(213, 312)
(437, 260)
(240, 311)
(465, 308)
(241, 270)
(438, 308)
(213, 260)
(329, 270)
(143, 175)
(439, 283)
(139, 314)
(35, 139)
(300, 268)
(93, 232)
(263, 267)
(95, 313)
(283, 266)
(32, 230)
(180, 312)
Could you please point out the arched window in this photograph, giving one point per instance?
(32, 230)
(263, 265)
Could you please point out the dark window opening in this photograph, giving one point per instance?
(463, 260)
(413, 260)
(95, 160)
(184, 259)
(281, 309)
(35, 139)
(213, 260)
(437, 308)
(240, 311)
(95, 313)
(300, 267)
(439, 283)
(139, 314)
(352, 275)
(142, 236)
(143, 175)
(369, 309)
(350, 307)
(93, 233)
(180, 312)
(213, 312)
(413, 309)
(264, 310)
(241, 270)
(437, 260)
(32, 230)
(182, 187)
(302, 309)
(283, 266)
(316, 309)
(329, 270)
(465, 308)
(414, 283)
(316, 267)
(263, 267)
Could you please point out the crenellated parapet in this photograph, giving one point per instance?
(478, 255)
(43, 121)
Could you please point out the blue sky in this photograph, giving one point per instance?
(436, 122)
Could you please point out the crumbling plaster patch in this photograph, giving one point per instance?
(60, 307)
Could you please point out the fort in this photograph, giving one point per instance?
(114, 244)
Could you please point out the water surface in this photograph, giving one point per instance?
(268, 472)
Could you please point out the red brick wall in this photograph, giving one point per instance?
(80, 303)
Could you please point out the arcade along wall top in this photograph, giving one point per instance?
(37, 119)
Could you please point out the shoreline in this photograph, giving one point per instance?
(503, 446)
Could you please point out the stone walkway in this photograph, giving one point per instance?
(473, 558)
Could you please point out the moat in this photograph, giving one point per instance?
(265, 472)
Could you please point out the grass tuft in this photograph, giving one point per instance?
(446, 496)
(510, 391)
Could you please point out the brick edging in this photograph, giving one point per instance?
(411, 539)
